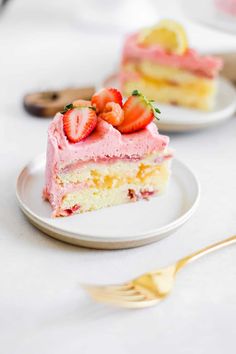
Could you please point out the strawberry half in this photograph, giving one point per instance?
(138, 113)
(102, 97)
(78, 123)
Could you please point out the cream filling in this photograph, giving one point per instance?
(112, 175)
(163, 73)
(170, 85)
(178, 95)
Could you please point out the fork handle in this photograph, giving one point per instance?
(211, 248)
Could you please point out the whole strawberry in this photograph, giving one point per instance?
(105, 95)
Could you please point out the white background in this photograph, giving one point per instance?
(42, 308)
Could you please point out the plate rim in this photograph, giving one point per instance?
(201, 122)
(116, 239)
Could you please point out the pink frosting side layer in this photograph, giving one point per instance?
(200, 65)
(104, 142)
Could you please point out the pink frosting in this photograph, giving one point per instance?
(105, 142)
(201, 65)
(227, 6)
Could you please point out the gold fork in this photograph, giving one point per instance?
(149, 288)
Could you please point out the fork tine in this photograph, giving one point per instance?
(122, 295)
(117, 296)
(121, 302)
(125, 290)
(111, 290)
(128, 290)
(114, 287)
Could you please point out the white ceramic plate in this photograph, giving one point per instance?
(177, 119)
(122, 226)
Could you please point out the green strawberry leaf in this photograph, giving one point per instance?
(67, 108)
(136, 93)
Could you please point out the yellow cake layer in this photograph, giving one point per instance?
(96, 198)
(105, 184)
(177, 95)
(110, 175)
(170, 85)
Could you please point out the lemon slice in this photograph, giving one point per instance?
(169, 34)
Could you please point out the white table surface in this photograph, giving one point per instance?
(42, 307)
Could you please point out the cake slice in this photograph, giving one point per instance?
(103, 153)
(158, 62)
(227, 7)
